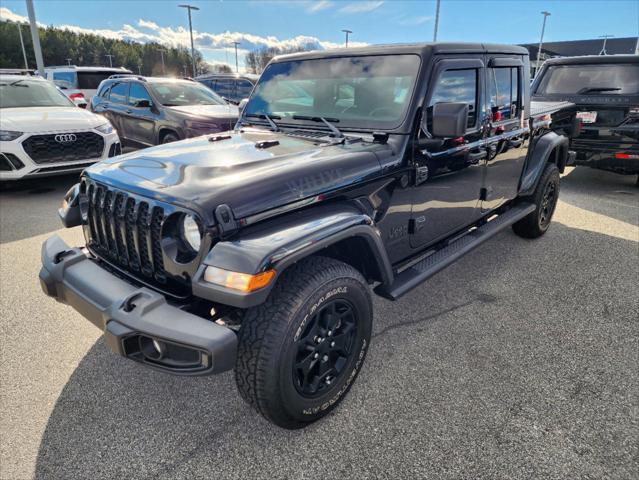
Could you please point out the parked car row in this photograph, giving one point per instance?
(147, 111)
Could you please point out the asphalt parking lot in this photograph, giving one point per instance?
(520, 361)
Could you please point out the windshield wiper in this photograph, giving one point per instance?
(268, 118)
(14, 84)
(327, 121)
(597, 89)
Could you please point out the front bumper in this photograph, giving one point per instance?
(27, 168)
(132, 318)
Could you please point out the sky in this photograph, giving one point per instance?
(258, 23)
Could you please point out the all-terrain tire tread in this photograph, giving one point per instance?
(263, 324)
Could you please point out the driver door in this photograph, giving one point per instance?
(449, 171)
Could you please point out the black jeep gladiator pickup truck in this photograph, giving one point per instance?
(605, 90)
(349, 171)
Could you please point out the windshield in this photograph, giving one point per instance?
(31, 93)
(174, 94)
(599, 79)
(369, 92)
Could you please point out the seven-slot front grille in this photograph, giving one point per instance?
(126, 231)
(64, 147)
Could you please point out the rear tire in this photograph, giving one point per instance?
(545, 197)
(300, 352)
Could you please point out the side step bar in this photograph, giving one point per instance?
(440, 259)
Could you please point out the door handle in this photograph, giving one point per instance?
(128, 111)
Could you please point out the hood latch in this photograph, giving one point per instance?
(225, 220)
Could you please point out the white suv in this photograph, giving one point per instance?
(43, 133)
(80, 83)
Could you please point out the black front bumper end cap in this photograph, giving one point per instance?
(133, 317)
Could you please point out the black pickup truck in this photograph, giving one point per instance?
(349, 172)
(605, 90)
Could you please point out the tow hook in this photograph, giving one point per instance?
(60, 255)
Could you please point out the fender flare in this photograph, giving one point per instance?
(538, 158)
(288, 240)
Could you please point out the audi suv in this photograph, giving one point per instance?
(43, 133)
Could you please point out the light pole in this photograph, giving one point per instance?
(436, 21)
(110, 59)
(35, 37)
(24, 53)
(162, 56)
(189, 8)
(347, 32)
(541, 39)
(603, 48)
(236, 66)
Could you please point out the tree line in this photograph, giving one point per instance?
(60, 47)
(256, 60)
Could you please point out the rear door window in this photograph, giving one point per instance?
(119, 93)
(503, 92)
(599, 79)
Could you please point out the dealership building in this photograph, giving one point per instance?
(574, 48)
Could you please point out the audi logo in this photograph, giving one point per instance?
(65, 138)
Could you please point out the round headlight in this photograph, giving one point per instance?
(191, 232)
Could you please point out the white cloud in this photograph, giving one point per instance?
(214, 46)
(361, 7)
(319, 5)
(412, 21)
(7, 15)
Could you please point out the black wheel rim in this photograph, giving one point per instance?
(547, 207)
(324, 348)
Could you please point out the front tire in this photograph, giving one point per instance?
(545, 197)
(169, 138)
(300, 352)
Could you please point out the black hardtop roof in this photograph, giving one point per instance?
(421, 49)
(593, 59)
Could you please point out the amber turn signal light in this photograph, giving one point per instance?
(245, 282)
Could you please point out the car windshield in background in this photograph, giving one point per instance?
(363, 92)
(91, 80)
(178, 94)
(599, 79)
(31, 93)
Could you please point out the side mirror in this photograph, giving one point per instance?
(242, 104)
(143, 104)
(449, 120)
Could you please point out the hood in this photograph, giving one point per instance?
(200, 174)
(213, 111)
(48, 119)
